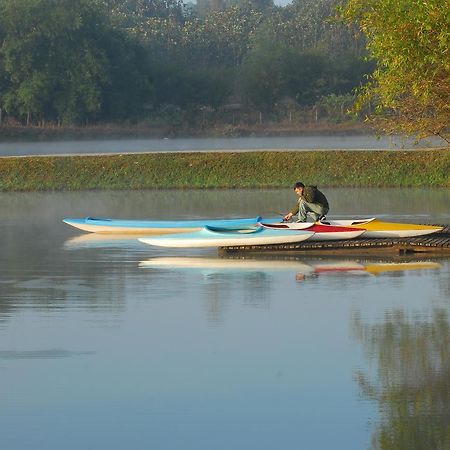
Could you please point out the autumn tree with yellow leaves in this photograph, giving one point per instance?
(409, 92)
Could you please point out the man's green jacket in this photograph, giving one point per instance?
(311, 195)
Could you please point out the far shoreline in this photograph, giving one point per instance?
(18, 133)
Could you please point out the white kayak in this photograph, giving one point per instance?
(321, 231)
(378, 229)
(218, 237)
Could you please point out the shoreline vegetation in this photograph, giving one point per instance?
(227, 170)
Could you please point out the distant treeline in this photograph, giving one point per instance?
(78, 62)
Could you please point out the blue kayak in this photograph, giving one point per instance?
(147, 227)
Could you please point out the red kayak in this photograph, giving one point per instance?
(321, 232)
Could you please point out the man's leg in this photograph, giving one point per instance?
(313, 209)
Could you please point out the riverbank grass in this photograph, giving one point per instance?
(227, 170)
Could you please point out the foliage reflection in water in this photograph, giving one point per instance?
(411, 383)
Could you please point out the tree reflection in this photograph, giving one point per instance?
(251, 288)
(412, 387)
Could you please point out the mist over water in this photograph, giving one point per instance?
(313, 142)
(109, 343)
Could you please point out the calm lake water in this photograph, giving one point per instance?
(112, 344)
(351, 142)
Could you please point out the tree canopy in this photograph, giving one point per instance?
(91, 61)
(66, 62)
(410, 42)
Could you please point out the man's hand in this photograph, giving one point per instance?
(287, 217)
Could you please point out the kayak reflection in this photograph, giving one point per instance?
(98, 240)
(301, 268)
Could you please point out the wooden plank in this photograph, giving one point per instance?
(433, 244)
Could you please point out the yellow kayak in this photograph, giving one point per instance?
(378, 229)
(378, 268)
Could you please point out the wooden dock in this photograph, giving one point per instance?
(437, 244)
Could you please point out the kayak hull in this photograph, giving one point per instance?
(223, 238)
(375, 228)
(157, 227)
(371, 227)
(322, 232)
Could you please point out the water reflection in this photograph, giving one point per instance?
(259, 279)
(411, 385)
(98, 240)
(242, 267)
(89, 288)
(202, 348)
(120, 146)
(55, 353)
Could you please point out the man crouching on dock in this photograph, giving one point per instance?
(311, 202)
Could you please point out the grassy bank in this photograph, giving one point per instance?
(227, 170)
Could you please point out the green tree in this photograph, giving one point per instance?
(206, 7)
(309, 24)
(55, 70)
(195, 63)
(410, 41)
(3, 87)
(252, 5)
(129, 87)
(135, 11)
(189, 89)
(272, 70)
(300, 53)
(222, 39)
(61, 58)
